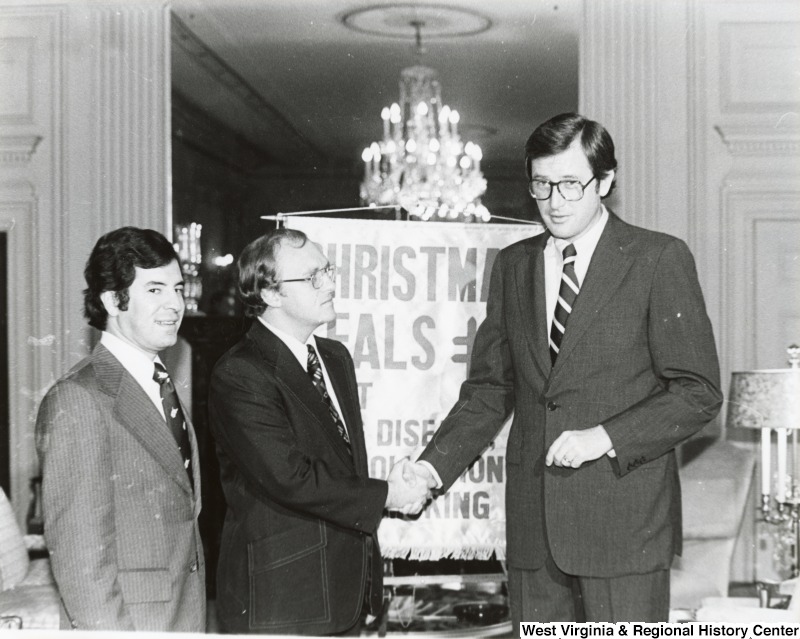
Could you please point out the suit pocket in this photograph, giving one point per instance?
(288, 578)
(145, 586)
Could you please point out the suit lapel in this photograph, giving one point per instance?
(530, 288)
(289, 371)
(610, 262)
(196, 474)
(338, 371)
(134, 410)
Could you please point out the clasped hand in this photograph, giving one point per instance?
(409, 487)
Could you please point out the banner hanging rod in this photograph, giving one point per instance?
(278, 217)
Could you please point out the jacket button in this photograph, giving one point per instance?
(551, 406)
(194, 567)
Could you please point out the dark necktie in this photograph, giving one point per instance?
(174, 417)
(567, 294)
(315, 372)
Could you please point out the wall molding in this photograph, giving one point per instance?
(17, 150)
(31, 198)
(18, 212)
(749, 140)
(745, 208)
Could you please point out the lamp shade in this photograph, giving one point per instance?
(765, 399)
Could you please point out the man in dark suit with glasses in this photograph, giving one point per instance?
(597, 338)
(299, 552)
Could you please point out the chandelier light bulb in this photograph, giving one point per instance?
(422, 109)
(385, 113)
(366, 154)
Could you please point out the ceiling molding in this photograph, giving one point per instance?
(192, 126)
(236, 85)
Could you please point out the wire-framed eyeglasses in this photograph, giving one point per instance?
(570, 190)
(317, 278)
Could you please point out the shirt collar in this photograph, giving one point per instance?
(136, 362)
(587, 242)
(299, 349)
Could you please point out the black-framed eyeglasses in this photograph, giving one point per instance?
(317, 277)
(570, 190)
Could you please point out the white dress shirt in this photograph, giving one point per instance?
(300, 351)
(139, 364)
(554, 261)
(554, 265)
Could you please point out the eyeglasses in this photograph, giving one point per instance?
(570, 190)
(316, 278)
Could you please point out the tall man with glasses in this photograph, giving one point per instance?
(299, 553)
(597, 338)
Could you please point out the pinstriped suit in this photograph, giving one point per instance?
(120, 516)
(638, 357)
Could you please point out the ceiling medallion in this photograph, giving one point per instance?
(396, 20)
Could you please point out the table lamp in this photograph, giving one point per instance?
(769, 400)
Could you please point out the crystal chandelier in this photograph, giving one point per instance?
(421, 164)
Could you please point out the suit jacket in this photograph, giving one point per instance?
(638, 356)
(298, 548)
(120, 517)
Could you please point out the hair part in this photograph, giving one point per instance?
(258, 267)
(112, 266)
(558, 133)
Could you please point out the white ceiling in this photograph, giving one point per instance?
(298, 84)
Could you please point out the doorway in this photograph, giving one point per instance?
(5, 431)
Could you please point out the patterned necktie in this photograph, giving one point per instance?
(567, 294)
(315, 371)
(174, 417)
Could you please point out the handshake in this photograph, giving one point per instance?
(410, 487)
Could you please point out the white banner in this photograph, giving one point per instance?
(409, 298)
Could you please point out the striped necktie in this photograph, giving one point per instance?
(567, 294)
(315, 372)
(174, 417)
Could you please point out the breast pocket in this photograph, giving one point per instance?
(287, 578)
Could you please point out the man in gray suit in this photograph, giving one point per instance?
(120, 474)
(596, 337)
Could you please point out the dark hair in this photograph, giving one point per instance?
(257, 267)
(112, 267)
(555, 136)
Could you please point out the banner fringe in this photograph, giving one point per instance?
(455, 552)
